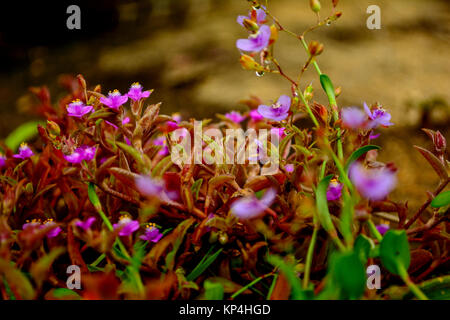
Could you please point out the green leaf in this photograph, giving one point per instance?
(131, 151)
(363, 245)
(179, 232)
(441, 200)
(327, 86)
(22, 133)
(93, 197)
(348, 274)
(434, 161)
(322, 204)
(196, 187)
(358, 153)
(62, 294)
(162, 166)
(346, 222)
(213, 291)
(203, 265)
(17, 281)
(435, 289)
(394, 251)
(289, 272)
(39, 270)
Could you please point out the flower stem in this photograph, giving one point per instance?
(305, 45)
(308, 109)
(234, 295)
(272, 286)
(309, 257)
(412, 286)
(374, 230)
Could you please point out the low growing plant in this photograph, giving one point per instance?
(99, 190)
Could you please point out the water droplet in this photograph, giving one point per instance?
(259, 73)
(328, 23)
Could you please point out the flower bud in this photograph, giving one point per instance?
(273, 34)
(81, 81)
(440, 143)
(315, 5)
(315, 48)
(335, 3)
(309, 93)
(251, 25)
(248, 63)
(223, 238)
(337, 91)
(53, 128)
(29, 188)
(213, 237)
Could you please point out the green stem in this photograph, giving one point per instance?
(332, 103)
(412, 286)
(309, 257)
(272, 286)
(308, 109)
(251, 284)
(111, 228)
(341, 170)
(99, 259)
(374, 230)
(305, 45)
(322, 170)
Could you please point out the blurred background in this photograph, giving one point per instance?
(185, 50)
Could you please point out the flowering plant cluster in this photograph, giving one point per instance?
(98, 189)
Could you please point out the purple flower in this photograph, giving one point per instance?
(334, 191)
(152, 233)
(353, 117)
(161, 141)
(54, 232)
(82, 153)
(234, 116)
(126, 225)
(278, 111)
(135, 93)
(78, 109)
(176, 117)
(171, 126)
(128, 141)
(251, 207)
(35, 223)
(259, 15)
(378, 117)
(382, 228)
(85, 225)
(255, 42)
(255, 115)
(2, 160)
(373, 184)
(373, 135)
(24, 152)
(125, 120)
(149, 187)
(114, 100)
(75, 157)
(279, 132)
(289, 167)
